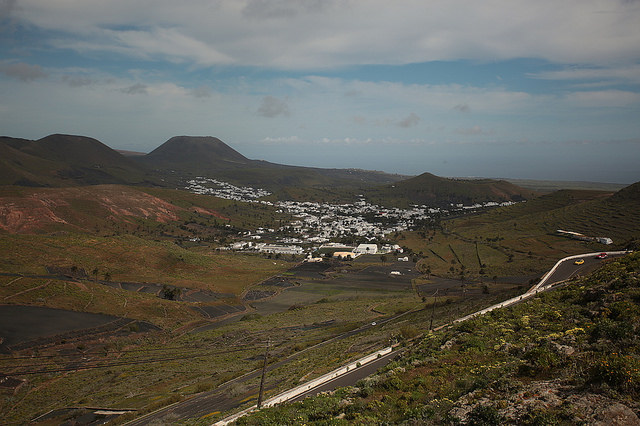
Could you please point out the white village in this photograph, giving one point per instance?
(321, 229)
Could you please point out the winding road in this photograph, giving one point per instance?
(219, 400)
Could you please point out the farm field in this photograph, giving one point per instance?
(322, 303)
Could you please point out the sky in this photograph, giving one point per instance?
(535, 89)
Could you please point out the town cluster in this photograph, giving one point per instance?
(320, 227)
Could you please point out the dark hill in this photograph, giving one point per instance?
(199, 152)
(65, 160)
(434, 190)
(629, 193)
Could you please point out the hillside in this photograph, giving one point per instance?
(592, 213)
(65, 160)
(434, 190)
(520, 240)
(569, 356)
(114, 208)
(184, 157)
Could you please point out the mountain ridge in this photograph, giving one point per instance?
(69, 160)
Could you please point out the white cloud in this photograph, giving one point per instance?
(282, 140)
(306, 34)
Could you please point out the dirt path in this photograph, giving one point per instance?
(27, 290)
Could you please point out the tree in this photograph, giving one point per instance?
(170, 293)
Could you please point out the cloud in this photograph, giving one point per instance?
(473, 131)
(6, 7)
(410, 121)
(611, 75)
(201, 92)
(298, 34)
(22, 71)
(136, 89)
(77, 81)
(282, 9)
(273, 107)
(282, 140)
(603, 99)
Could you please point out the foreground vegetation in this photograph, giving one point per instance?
(568, 356)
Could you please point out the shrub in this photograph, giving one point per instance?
(485, 415)
(619, 371)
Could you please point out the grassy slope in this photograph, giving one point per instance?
(107, 207)
(567, 356)
(526, 233)
(130, 258)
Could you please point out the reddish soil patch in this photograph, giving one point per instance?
(43, 207)
(209, 212)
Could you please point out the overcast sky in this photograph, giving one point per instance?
(545, 89)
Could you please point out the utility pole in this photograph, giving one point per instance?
(264, 373)
(433, 311)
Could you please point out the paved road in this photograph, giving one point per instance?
(568, 269)
(350, 378)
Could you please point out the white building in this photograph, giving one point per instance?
(366, 249)
(278, 249)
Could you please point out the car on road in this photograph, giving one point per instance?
(601, 256)
(579, 262)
